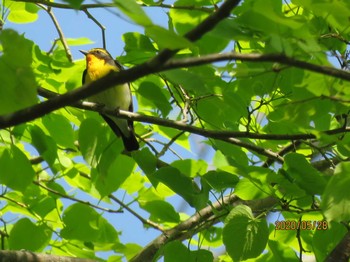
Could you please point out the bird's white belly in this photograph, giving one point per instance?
(116, 97)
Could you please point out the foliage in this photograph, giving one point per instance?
(272, 118)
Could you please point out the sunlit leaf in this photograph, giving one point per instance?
(29, 236)
(244, 236)
(335, 198)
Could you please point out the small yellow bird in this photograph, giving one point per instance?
(98, 64)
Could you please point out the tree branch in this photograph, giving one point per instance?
(341, 253)
(59, 31)
(144, 221)
(279, 58)
(209, 214)
(103, 29)
(28, 256)
(76, 199)
(106, 5)
(38, 110)
(228, 136)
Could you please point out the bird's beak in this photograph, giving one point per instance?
(84, 52)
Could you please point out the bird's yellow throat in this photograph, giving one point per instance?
(97, 68)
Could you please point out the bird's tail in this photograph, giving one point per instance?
(130, 143)
(129, 139)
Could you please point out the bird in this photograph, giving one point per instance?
(99, 63)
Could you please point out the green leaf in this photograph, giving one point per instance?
(335, 13)
(16, 170)
(248, 189)
(45, 145)
(190, 167)
(18, 81)
(85, 224)
(74, 248)
(134, 183)
(254, 185)
(146, 160)
(134, 12)
(336, 198)
(38, 202)
(107, 180)
(28, 236)
(234, 155)
(175, 251)
(21, 12)
(185, 20)
(282, 252)
(325, 240)
(136, 41)
(201, 255)
(138, 48)
(156, 97)
(244, 236)
(60, 130)
(182, 185)
(93, 140)
(129, 250)
(220, 180)
(167, 39)
(79, 41)
(212, 237)
(303, 174)
(169, 133)
(161, 211)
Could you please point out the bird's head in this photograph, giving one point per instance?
(97, 56)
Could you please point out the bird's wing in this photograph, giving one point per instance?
(84, 74)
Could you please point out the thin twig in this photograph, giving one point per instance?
(76, 199)
(279, 58)
(106, 5)
(59, 31)
(143, 220)
(14, 201)
(167, 145)
(126, 207)
(103, 28)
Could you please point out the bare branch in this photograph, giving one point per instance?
(66, 6)
(167, 145)
(76, 199)
(277, 58)
(103, 29)
(28, 256)
(341, 253)
(59, 30)
(106, 5)
(196, 33)
(143, 220)
(209, 214)
(228, 136)
(182, 7)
